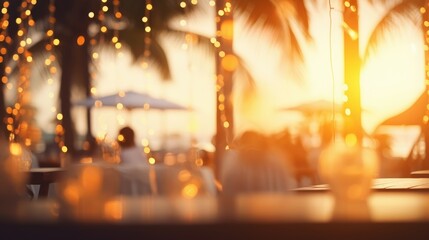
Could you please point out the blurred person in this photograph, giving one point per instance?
(296, 156)
(133, 165)
(254, 164)
(130, 153)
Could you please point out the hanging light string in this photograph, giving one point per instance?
(97, 38)
(5, 40)
(189, 40)
(147, 34)
(145, 66)
(51, 69)
(351, 137)
(93, 42)
(227, 62)
(5, 43)
(102, 19)
(50, 60)
(23, 58)
(425, 16)
(118, 18)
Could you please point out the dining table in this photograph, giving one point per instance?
(44, 177)
(388, 213)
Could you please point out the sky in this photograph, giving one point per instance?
(390, 81)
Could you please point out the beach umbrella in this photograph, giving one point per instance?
(317, 107)
(130, 100)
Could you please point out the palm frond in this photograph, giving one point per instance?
(245, 75)
(198, 40)
(286, 19)
(159, 59)
(134, 39)
(394, 18)
(266, 13)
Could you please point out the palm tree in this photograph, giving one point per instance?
(352, 58)
(392, 19)
(273, 15)
(72, 22)
(417, 11)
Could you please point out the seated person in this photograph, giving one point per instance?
(130, 152)
(254, 165)
(133, 165)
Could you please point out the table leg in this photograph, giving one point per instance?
(43, 191)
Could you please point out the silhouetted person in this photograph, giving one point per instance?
(130, 152)
(254, 165)
(296, 156)
(133, 165)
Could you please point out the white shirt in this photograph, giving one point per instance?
(133, 155)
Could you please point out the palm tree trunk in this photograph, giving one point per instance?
(75, 67)
(65, 94)
(352, 65)
(224, 134)
(84, 60)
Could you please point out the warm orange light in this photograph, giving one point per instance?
(146, 150)
(80, 40)
(71, 193)
(227, 29)
(190, 191)
(86, 160)
(184, 175)
(64, 149)
(91, 179)
(229, 62)
(351, 140)
(113, 210)
(15, 149)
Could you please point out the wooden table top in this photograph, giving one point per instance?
(44, 175)
(420, 174)
(387, 215)
(383, 184)
(315, 215)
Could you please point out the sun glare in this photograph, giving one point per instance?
(393, 79)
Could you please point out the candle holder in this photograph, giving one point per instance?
(349, 171)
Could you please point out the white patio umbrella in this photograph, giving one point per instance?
(130, 100)
(318, 107)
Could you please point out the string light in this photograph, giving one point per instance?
(118, 18)
(189, 40)
(352, 107)
(227, 61)
(16, 122)
(5, 41)
(51, 68)
(425, 17)
(146, 20)
(4, 38)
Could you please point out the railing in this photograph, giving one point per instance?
(416, 158)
